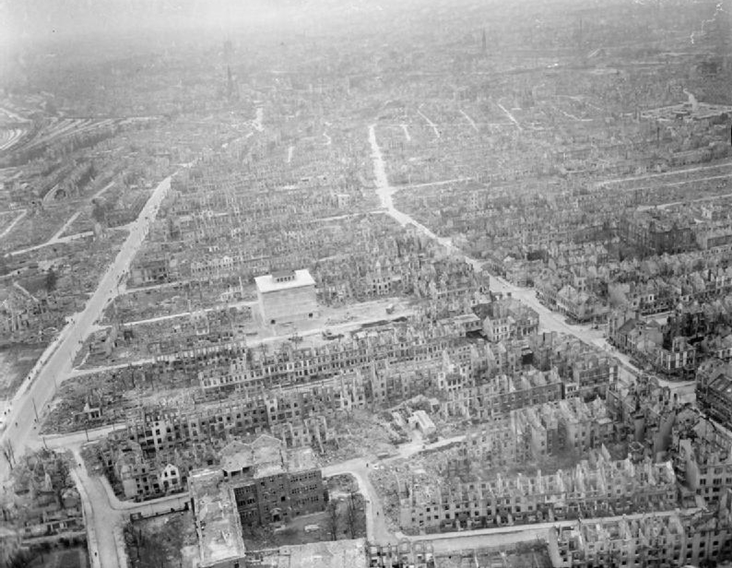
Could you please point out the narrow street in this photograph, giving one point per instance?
(509, 115)
(102, 543)
(455, 542)
(18, 219)
(432, 124)
(664, 174)
(470, 120)
(406, 132)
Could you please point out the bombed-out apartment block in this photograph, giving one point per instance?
(500, 394)
(596, 487)
(144, 477)
(535, 432)
(156, 431)
(256, 484)
(26, 318)
(586, 372)
(654, 233)
(702, 457)
(272, 484)
(219, 533)
(678, 539)
(714, 390)
(644, 415)
(154, 270)
(252, 369)
(499, 446)
(566, 424)
(40, 502)
(507, 318)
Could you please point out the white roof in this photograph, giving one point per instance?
(267, 282)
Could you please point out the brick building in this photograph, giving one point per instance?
(653, 235)
(272, 484)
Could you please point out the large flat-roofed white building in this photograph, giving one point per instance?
(286, 296)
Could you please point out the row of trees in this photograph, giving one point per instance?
(346, 516)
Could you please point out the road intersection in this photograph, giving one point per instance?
(105, 513)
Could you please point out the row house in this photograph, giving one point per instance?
(255, 370)
(649, 294)
(162, 431)
(594, 488)
(500, 394)
(680, 539)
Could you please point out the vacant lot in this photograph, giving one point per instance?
(161, 542)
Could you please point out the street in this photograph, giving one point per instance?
(549, 321)
(106, 512)
(56, 364)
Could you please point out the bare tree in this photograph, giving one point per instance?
(352, 514)
(20, 559)
(9, 453)
(134, 540)
(61, 480)
(333, 517)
